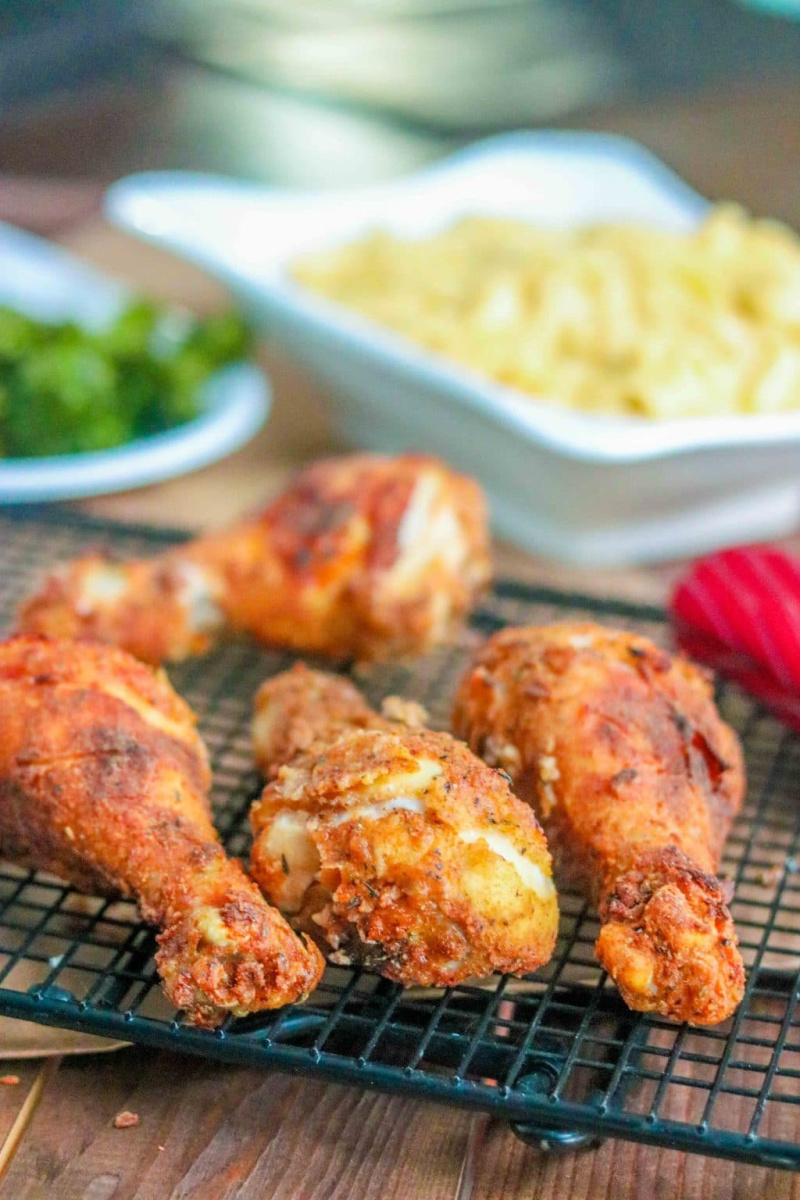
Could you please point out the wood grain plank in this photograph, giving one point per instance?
(83, 1098)
(24, 1117)
(510, 1170)
(12, 1097)
(211, 1132)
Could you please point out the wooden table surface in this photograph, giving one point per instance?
(210, 1132)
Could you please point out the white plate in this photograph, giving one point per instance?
(45, 282)
(577, 487)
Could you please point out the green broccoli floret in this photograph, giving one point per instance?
(66, 390)
(65, 401)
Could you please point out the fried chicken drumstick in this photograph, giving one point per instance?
(104, 782)
(636, 779)
(394, 845)
(360, 556)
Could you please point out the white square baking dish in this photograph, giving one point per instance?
(579, 488)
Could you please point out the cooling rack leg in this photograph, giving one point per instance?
(554, 1141)
(541, 1135)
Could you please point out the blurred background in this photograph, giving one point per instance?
(330, 93)
(335, 92)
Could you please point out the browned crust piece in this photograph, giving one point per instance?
(299, 708)
(668, 940)
(359, 556)
(392, 882)
(104, 782)
(623, 755)
(149, 619)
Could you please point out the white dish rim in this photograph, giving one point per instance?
(584, 437)
(235, 401)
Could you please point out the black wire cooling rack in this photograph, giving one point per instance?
(559, 1056)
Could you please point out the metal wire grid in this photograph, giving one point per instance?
(552, 1054)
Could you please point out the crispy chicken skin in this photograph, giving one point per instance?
(636, 779)
(360, 556)
(104, 782)
(395, 846)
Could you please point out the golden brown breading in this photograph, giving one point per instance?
(363, 556)
(636, 779)
(104, 782)
(395, 845)
(300, 708)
